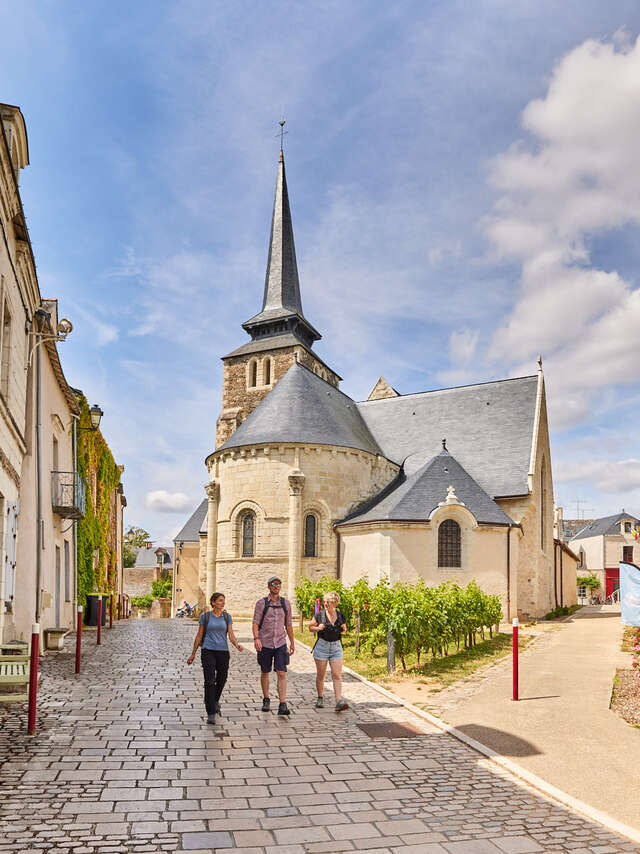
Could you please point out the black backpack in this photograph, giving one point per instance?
(207, 614)
(321, 617)
(269, 604)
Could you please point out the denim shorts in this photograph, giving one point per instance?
(327, 650)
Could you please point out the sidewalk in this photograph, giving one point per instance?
(562, 729)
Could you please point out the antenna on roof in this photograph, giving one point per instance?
(444, 444)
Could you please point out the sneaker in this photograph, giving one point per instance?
(211, 719)
(266, 704)
(341, 705)
(283, 709)
(320, 703)
(216, 707)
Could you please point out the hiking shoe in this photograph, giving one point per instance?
(320, 703)
(216, 708)
(211, 719)
(341, 705)
(266, 704)
(283, 709)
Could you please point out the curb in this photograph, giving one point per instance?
(533, 780)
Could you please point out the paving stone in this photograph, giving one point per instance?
(134, 769)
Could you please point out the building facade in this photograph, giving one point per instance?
(446, 485)
(602, 544)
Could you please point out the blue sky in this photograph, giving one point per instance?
(465, 195)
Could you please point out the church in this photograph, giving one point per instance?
(447, 485)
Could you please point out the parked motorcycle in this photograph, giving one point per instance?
(185, 610)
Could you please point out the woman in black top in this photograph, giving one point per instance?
(329, 625)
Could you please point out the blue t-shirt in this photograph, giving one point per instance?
(216, 634)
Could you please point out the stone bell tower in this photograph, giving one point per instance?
(280, 333)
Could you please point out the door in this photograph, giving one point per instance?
(57, 586)
(611, 581)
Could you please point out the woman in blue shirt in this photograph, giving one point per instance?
(215, 626)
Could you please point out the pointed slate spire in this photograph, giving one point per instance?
(281, 304)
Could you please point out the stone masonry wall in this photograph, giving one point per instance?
(336, 481)
(239, 399)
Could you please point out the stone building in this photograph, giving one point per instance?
(151, 565)
(187, 547)
(446, 485)
(601, 544)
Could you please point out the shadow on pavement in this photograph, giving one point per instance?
(502, 742)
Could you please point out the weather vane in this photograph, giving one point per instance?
(282, 132)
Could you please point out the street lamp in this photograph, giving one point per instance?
(95, 414)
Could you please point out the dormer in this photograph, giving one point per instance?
(15, 132)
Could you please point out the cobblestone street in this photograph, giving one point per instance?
(124, 762)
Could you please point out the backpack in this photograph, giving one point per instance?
(207, 614)
(268, 604)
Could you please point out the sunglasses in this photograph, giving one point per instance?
(275, 584)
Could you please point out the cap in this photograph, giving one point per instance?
(274, 578)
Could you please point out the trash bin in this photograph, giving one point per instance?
(91, 611)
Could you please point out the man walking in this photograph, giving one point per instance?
(271, 627)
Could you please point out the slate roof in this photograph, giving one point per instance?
(302, 407)
(413, 498)
(190, 533)
(489, 427)
(282, 286)
(147, 558)
(606, 525)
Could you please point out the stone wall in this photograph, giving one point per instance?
(239, 399)
(137, 582)
(335, 481)
(187, 583)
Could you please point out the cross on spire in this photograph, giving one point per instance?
(282, 132)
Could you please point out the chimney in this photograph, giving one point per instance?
(148, 544)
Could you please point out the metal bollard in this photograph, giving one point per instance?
(78, 638)
(111, 610)
(515, 658)
(99, 633)
(33, 678)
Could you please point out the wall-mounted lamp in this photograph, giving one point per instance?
(95, 414)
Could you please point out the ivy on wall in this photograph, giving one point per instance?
(96, 466)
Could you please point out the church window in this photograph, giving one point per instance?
(253, 374)
(248, 534)
(267, 372)
(449, 544)
(310, 525)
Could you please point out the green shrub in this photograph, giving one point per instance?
(161, 589)
(142, 601)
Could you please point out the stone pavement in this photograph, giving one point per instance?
(124, 762)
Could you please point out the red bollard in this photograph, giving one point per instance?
(111, 610)
(99, 635)
(33, 678)
(515, 658)
(119, 605)
(78, 638)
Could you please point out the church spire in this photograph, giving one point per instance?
(281, 304)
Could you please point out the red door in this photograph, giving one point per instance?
(611, 580)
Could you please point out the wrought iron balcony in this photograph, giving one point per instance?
(67, 494)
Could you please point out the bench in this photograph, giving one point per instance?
(54, 637)
(14, 674)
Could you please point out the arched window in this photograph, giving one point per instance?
(449, 543)
(267, 372)
(310, 526)
(248, 534)
(253, 374)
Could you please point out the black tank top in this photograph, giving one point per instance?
(331, 631)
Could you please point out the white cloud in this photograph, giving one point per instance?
(577, 179)
(610, 476)
(167, 502)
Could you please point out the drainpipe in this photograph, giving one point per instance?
(338, 567)
(39, 543)
(509, 572)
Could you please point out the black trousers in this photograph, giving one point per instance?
(215, 666)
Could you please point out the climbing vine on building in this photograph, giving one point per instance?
(101, 475)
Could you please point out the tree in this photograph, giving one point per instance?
(133, 540)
